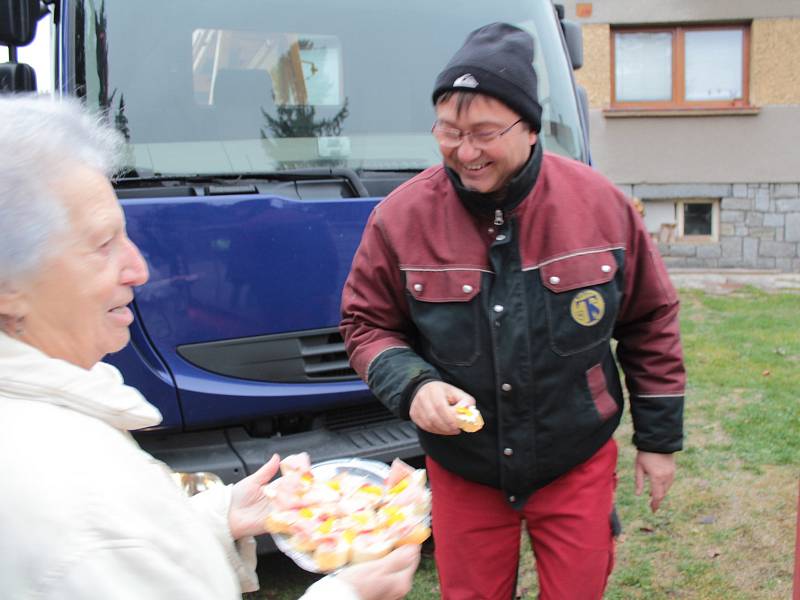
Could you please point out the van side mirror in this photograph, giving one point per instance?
(17, 77)
(574, 38)
(18, 20)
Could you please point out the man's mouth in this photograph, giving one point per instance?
(476, 167)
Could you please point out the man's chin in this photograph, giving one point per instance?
(480, 186)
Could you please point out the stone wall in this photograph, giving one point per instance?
(759, 226)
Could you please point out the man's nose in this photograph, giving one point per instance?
(467, 151)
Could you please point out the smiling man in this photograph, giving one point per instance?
(499, 280)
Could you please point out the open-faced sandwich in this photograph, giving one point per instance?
(469, 418)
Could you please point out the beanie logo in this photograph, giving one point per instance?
(466, 80)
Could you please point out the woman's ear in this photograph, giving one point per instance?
(13, 304)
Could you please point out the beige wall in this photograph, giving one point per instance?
(733, 149)
(595, 75)
(775, 61)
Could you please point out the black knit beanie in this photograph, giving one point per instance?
(496, 60)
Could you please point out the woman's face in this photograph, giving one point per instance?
(75, 306)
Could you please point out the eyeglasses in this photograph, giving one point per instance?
(453, 138)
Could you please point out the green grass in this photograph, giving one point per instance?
(727, 528)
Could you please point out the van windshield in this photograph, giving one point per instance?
(252, 86)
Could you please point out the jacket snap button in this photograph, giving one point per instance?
(512, 498)
(606, 268)
(498, 308)
(508, 452)
(417, 287)
(555, 280)
(467, 289)
(506, 387)
(500, 237)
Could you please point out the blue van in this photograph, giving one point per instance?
(260, 136)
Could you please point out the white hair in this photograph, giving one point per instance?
(41, 140)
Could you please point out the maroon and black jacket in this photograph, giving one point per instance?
(517, 303)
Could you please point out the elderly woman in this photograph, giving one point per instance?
(85, 512)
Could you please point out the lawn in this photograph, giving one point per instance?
(727, 528)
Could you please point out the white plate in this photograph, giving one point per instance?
(372, 470)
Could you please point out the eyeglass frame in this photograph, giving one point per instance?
(462, 135)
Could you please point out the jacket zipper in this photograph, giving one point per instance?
(498, 217)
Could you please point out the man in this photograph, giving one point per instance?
(499, 279)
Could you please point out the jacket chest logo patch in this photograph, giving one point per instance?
(587, 308)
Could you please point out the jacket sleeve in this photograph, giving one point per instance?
(330, 588)
(649, 346)
(136, 571)
(376, 325)
(129, 570)
(213, 506)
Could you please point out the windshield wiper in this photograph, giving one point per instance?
(391, 170)
(139, 176)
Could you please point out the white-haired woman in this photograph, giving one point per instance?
(84, 511)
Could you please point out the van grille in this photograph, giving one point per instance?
(298, 357)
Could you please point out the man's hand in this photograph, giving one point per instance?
(432, 407)
(249, 506)
(660, 470)
(387, 578)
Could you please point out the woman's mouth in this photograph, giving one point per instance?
(122, 314)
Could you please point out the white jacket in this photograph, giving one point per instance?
(85, 513)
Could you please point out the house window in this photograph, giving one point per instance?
(680, 67)
(693, 220)
(698, 220)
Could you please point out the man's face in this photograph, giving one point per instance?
(489, 168)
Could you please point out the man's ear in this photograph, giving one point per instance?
(532, 137)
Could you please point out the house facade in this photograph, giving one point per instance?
(695, 110)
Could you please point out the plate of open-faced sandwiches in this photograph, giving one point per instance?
(330, 514)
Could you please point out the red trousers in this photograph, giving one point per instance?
(477, 533)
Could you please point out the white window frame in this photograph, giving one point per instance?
(679, 205)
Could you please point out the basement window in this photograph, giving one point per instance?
(692, 220)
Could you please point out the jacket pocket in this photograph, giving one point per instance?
(581, 301)
(603, 401)
(444, 307)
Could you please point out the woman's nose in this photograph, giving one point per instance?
(135, 271)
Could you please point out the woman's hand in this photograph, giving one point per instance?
(387, 578)
(249, 505)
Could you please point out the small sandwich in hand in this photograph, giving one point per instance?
(469, 418)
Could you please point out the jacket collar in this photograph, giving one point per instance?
(28, 374)
(507, 199)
